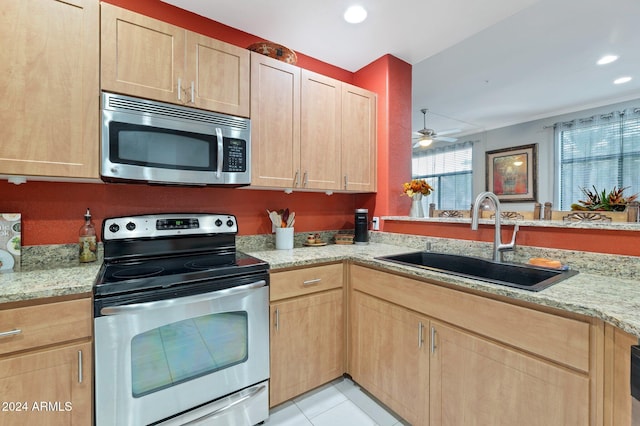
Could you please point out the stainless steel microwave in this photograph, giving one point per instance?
(156, 142)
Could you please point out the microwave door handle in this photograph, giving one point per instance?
(166, 303)
(220, 151)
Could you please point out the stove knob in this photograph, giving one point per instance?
(131, 226)
(229, 223)
(114, 227)
(218, 222)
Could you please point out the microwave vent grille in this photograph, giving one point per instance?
(145, 107)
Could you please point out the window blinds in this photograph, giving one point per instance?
(601, 151)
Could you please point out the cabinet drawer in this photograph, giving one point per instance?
(43, 325)
(305, 281)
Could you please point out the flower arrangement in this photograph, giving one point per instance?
(416, 186)
(614, 200)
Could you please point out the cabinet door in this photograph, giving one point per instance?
(389, 355)
(307, 344)
(49, 87)
(477, 382)
(359, 146)
(320, 131)
(47, 387)
(219, 73)
(141, 56)
(275, 123)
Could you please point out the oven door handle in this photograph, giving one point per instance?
(158, 304)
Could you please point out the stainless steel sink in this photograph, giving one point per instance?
(517, 275)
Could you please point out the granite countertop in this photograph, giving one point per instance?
(36, 284)
(613, 299)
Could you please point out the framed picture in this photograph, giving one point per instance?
(512, 173)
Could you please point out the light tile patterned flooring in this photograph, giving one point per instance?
(339, 403)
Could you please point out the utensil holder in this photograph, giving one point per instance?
(284, 238)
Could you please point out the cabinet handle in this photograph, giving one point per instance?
(296, 178)
(179, 89)
(305, 180)
(193, 93)
(10, 333)
(277, 319)
(420, 333)
(311, 282)
(433, 339)
(79, 366)
(346, 181)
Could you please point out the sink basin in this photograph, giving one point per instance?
(521, 276)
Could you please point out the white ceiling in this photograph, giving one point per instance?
(477, 65)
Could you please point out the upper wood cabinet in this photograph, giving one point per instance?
(144, 57)
(359, 139)
(275, 123)
(49, 88)
(320, 131)
(310, 131)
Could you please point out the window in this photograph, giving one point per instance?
(448, 170)
(601, 151)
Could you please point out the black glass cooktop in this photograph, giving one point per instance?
(174, 271)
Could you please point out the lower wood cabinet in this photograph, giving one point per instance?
(390, 355)
(415, 347)
(307, 330)
(46, 361)
(47, 387)
(474, 381)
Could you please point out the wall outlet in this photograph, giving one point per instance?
(376, 223)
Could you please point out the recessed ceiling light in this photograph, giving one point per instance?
(355, 14)
(622, 80)
(607, 59)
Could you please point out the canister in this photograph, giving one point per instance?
(361, 227)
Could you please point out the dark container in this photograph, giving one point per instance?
(361, 227)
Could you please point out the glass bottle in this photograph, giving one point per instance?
(88, 245)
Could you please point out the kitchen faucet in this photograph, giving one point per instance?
(498, 247)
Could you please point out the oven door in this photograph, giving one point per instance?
(162, 358)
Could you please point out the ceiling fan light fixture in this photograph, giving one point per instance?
(425, 141)
(355, 14)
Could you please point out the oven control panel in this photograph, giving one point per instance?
(166, 225)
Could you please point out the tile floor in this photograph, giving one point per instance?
(339, 403)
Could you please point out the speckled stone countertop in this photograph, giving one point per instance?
(621, 226)
(607, 286)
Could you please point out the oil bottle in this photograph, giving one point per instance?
(88, 245)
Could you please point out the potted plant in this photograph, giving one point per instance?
(601, 200)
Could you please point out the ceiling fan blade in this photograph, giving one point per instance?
(445, 139)
(449, 132)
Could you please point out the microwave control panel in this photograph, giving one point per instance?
(235, 159)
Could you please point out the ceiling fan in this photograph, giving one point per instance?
(427, 136)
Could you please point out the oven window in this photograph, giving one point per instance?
(166, 148)
(188, 349)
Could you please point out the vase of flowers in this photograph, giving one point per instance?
(415, 190)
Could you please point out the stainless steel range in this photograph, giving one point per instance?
(181, 324)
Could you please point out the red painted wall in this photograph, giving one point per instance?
(390, 78)
(53, 212)
(592, 240)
